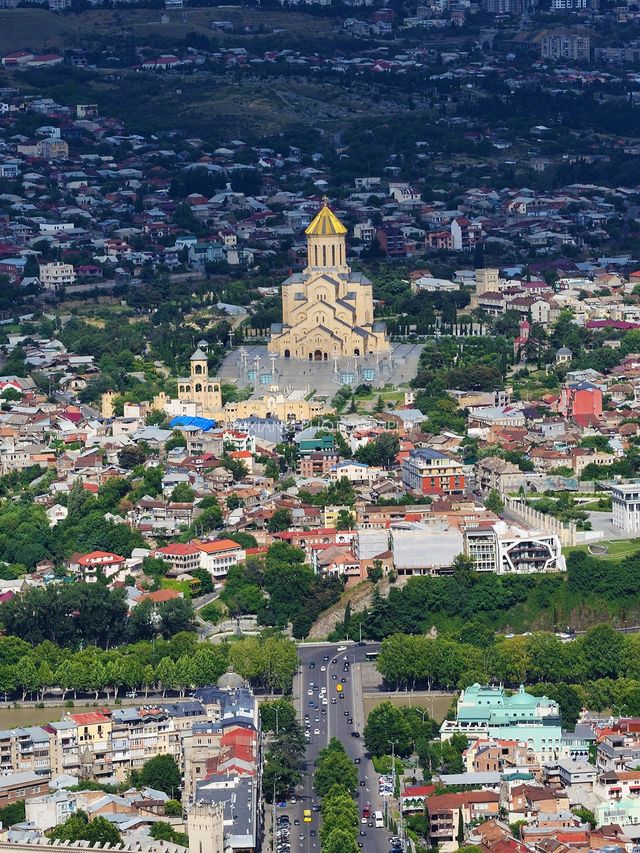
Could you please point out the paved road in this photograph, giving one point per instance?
(335, 723)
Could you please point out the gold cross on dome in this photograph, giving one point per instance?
(325, 200)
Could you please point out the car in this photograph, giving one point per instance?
(370, 823)
(357, 760)
(323, 668)
(317, 719)
(342, 695)
(325, 658)
(345, 658)
(362, 783)
(312, 833)
(301, 837)
(355, 734)
(334, 676)
(296, 822)
(309, 692)
(324, 710)
(361, 643)
(343, 680)
(316, 731)
(350, 721)
(311, 704)
(131, 694)
(312, 665)
(293, 800)
(360, 844)
(362, 833)
(342, 648)
(334, 700)
(315, 807)
(346, 713)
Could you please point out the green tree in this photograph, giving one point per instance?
(161, 773)
(183, 493)
(280, 520)
(386, 724)
(78, 827)
(494, 502)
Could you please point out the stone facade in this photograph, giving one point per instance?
(327, 311)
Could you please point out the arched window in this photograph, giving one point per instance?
(198, 388)
(356, 351)
(210, 388)
(287, 354)
(182, 389)
(333, 256)
(198, 368)
(216, 388)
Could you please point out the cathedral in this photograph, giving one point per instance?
(327, 311)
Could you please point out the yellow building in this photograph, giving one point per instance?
(327, 310)
(199, 388)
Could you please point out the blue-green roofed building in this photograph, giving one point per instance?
(489, 712)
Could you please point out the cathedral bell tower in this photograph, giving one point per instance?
(326, 241)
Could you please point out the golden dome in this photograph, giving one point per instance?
(325, 224)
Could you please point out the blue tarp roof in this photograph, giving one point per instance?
(204, 424)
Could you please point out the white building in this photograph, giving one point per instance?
(625, 499)
(512, 550)
(49, 810)
(56, 275)
(217, 557)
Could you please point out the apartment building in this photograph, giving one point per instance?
(430, 472)
(625, 504)
(217, 557)
(55, 276)
(503, 549)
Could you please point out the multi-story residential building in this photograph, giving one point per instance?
(498, 548)
(625, 503)
(99, 563)
(492, 472)
(565, 45)
(485, 711)
(580, 398)
(449, 814)
(318, 463)
(183, 557)
(430, 472)
(217, 557)
(56, 276)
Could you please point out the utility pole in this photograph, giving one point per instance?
(273, 818)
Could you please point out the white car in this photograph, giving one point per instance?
(316, 731)
(342, 648)
(309, 692)
(323, 668)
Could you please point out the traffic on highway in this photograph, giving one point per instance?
(328, 697)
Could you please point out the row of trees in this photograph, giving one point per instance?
(340, 822)
(472, 605)
(335, 780)
(285, 751)
(268, 662)
(573, 673)
(70, 615)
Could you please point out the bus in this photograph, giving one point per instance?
(306, 816)
(371, 655)
(378, 821)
